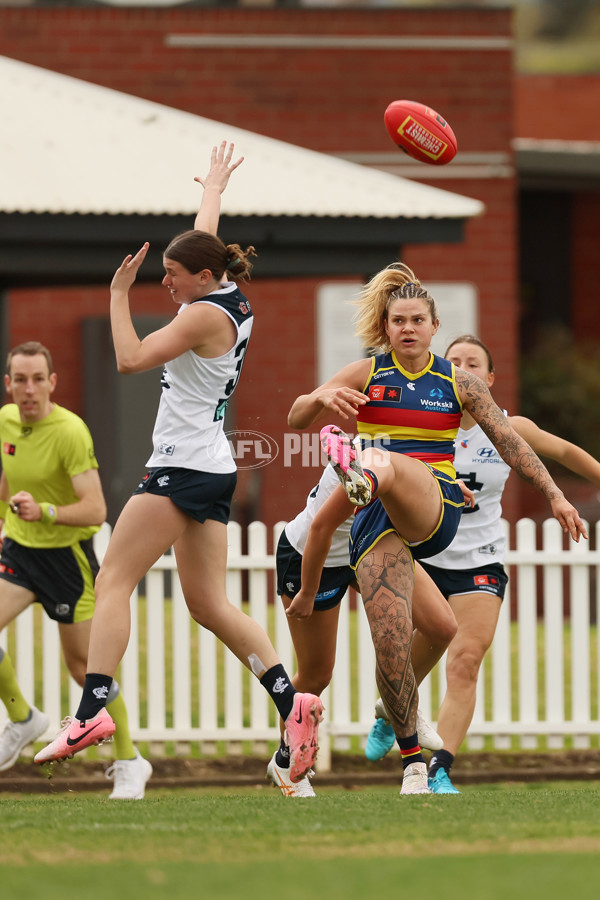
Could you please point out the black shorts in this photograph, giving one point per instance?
(490, 579)
(62, 578)
(332, 586)
(201, 495)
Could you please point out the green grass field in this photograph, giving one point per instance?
(493, 842)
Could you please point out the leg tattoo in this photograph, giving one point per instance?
(386, 581)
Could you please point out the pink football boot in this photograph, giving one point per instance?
(344, 459)
(301, 734)
(75, 736)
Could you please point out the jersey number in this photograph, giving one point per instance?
(240, 351)
(471, 482)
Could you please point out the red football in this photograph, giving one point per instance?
(421, 132)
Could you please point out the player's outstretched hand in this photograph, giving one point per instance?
(127, 271)
(568, 517)
(221, 167)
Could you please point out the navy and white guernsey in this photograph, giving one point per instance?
(188, 432)
(297, 530)
(417, 414)
(480, 538)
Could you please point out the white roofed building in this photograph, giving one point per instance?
(83, 163)
(88, 173)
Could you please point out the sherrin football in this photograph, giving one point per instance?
(421, 132)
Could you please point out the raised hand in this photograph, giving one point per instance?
(127, 271)
(221, 167)
(214, 183)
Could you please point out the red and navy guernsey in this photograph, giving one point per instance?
(413, 413)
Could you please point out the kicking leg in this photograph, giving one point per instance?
(386, 579)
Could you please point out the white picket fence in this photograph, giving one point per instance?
(181, 685)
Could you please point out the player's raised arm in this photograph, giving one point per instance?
(515, 451)
(214, 183)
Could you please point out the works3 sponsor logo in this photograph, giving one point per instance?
(252, 449)
(436, 401)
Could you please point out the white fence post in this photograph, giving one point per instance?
(527, 617)
(182, 666)
(233, 707)
(233, 668)
(554, 669)
(501, 669)
(340, 691)
(130, 668)
(257, 596)
(580, 646)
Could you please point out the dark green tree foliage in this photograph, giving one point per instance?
(560, 388)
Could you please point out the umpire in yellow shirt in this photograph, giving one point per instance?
(51, 505)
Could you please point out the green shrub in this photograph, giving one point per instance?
(560, 388)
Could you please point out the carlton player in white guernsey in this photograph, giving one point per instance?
(480, 466)
(470, 572)
(184, 500)
(189, 432)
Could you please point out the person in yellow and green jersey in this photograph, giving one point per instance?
(51, 505)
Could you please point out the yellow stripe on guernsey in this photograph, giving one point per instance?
(417, 414)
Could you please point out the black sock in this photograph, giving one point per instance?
(280, 688)
(95, 693)
(410, 750)
(282, 757)
(441, 759)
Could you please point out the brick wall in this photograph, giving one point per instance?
(330, 100)
(557, 107)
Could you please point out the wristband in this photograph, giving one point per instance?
(3, 509)
(49, 513)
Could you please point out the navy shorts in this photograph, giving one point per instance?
(332, 586)
(372, 522)
(490, 579)
(62, 578)
(200, 495)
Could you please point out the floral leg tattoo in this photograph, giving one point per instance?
(386, 579)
